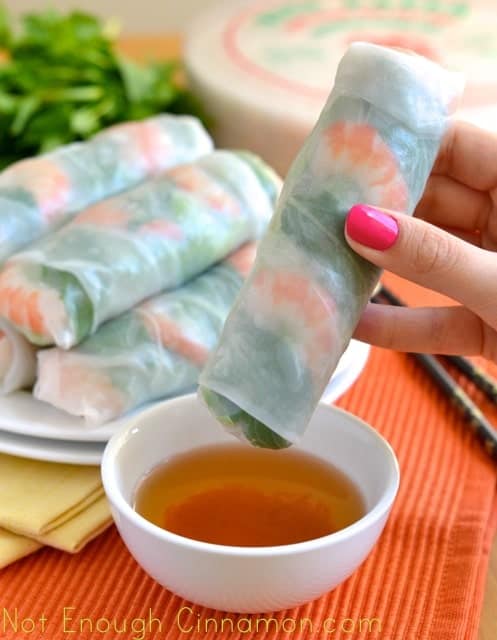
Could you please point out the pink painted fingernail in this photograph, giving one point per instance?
(372, 228)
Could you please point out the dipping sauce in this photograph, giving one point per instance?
(239, 495)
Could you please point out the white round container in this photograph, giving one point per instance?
(264, 68)
(247, 579)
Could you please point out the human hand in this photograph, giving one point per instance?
(449, 246)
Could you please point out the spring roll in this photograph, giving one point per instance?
(375, 142)
(130, 247)
(152, 351)
(17, 360)
(39, 194)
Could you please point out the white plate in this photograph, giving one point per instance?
(23, 414)
(33, 429)
(349, 369)
(51, 450)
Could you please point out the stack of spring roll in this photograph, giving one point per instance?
(121, 257)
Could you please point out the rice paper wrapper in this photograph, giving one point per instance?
(375, 142)
(17, 360)
(38, 195)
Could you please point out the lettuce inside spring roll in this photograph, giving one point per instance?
(127, 248)
(153, 351)
(375, 142)
(38, 194)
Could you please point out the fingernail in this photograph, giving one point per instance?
(372, 228)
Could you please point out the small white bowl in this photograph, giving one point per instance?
(247, 579)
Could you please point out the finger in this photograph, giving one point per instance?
(449, 203)
(468, 154)
(445, 330)
(473, 238)
(426, 254)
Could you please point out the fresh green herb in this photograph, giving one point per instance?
(63, 80)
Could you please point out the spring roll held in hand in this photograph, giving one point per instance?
(375, 142)
(130, 247)
(39, 194)
(152, 351)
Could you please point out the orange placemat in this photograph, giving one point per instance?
(424, 580)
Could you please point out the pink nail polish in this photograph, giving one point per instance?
(372, 228)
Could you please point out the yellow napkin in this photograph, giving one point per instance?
(14, 547)
(74, 534)
(71, 536)
(37, 497)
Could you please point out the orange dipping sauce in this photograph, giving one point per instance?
(239, 495)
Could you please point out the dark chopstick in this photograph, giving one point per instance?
(472, 414)
(477, 376)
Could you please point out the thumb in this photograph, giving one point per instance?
(425, 254)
